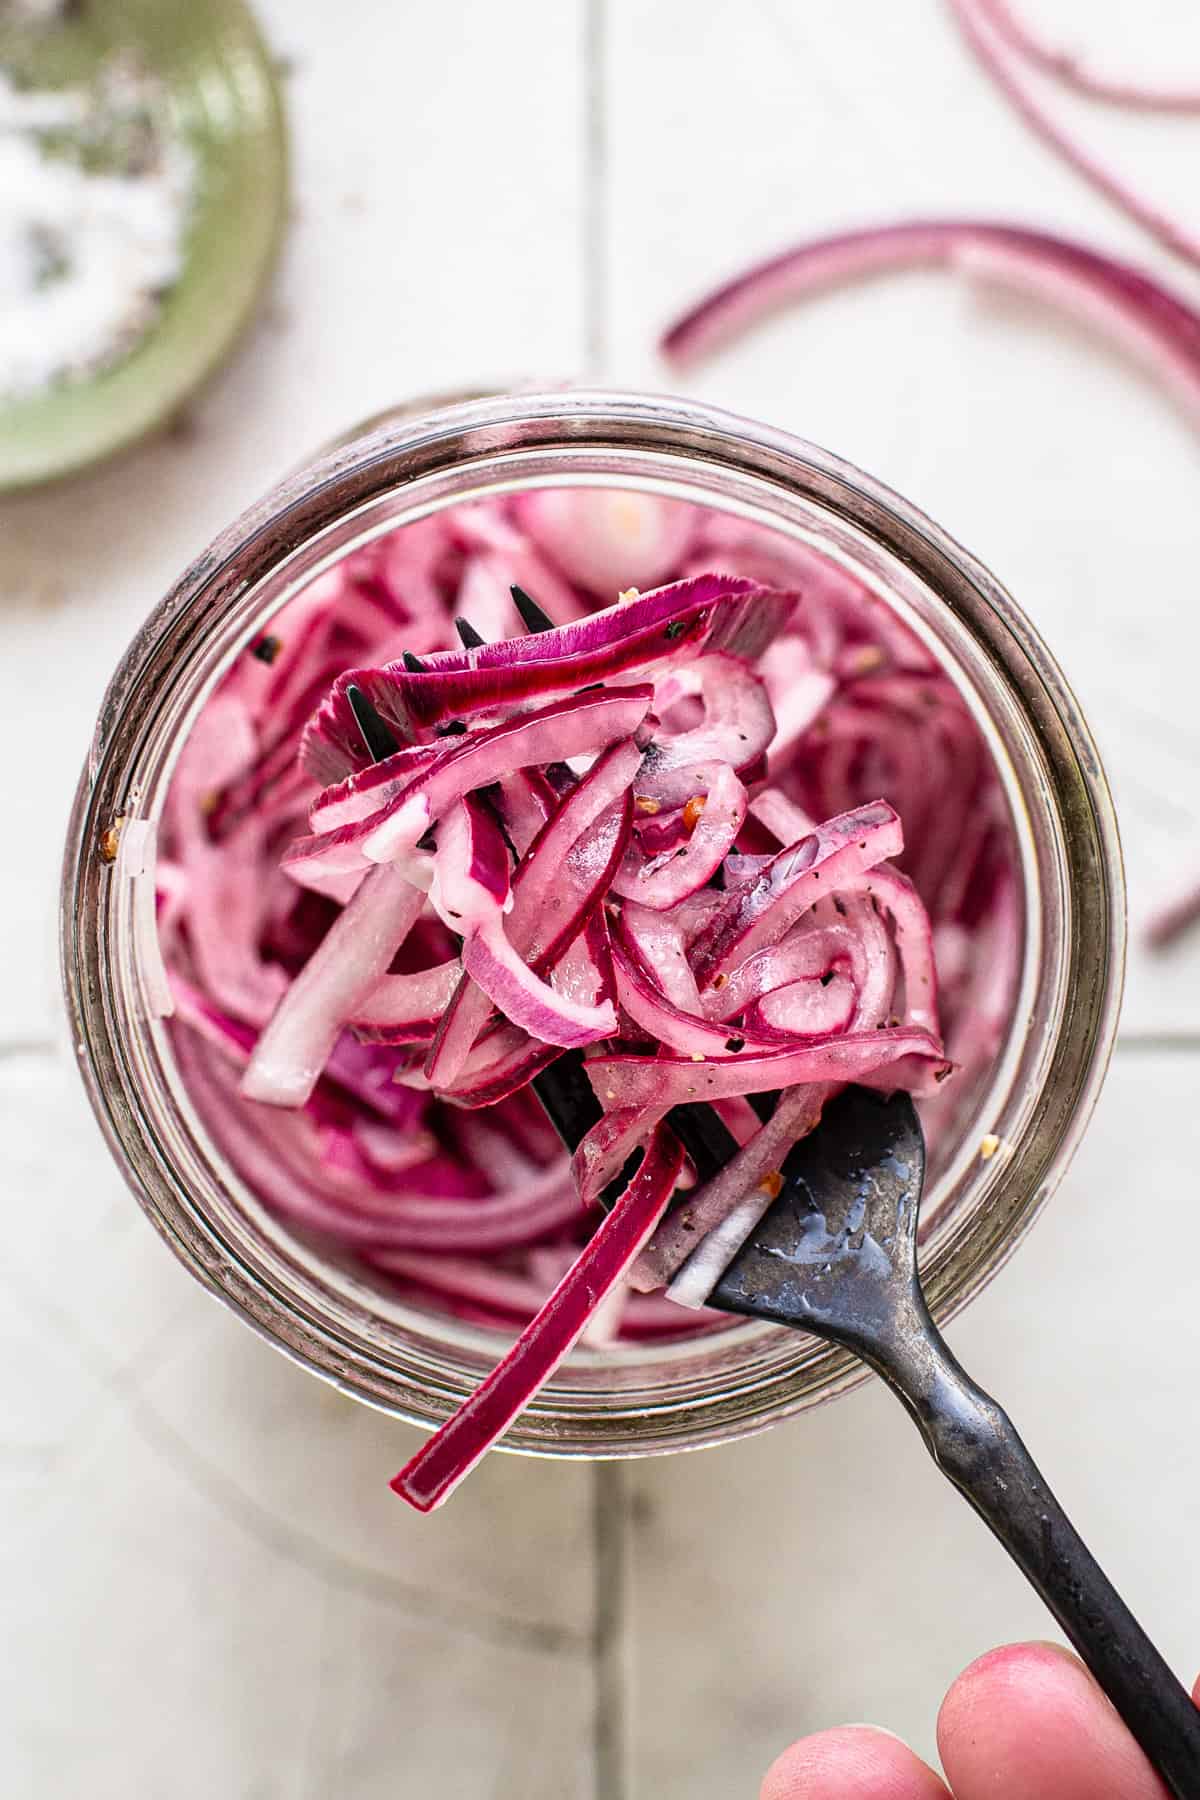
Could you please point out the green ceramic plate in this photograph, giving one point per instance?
(224, 101)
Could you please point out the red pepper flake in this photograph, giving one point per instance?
(866, 660)
(771, 1184)
(692, 811)
(719, 981)
(110, 840)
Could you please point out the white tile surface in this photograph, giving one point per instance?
(208, 1589)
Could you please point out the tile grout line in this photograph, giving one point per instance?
(611, 1779)
(1171, 1041)
(594, 244)
(17, 1047)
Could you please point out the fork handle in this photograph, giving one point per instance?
(978, 1449)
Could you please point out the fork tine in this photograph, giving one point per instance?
(532, 615)
(376, 734)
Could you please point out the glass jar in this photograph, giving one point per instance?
(636, 1400)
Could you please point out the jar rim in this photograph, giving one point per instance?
(600, 1406)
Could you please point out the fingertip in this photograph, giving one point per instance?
(1010, 1661)
(1030, 1715)
(855, 1762)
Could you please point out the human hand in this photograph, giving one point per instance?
(1023, 1723)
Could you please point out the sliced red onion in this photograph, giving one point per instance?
(562, 877)
(525, 800)
(888, 1058)
(608, 1146)
(798, 696)
(658, 943)
(698, 911)
(390, 1155)
(584, 972)
(737, 726)
(913, 939)
(471, 892)
(654, 1316)
(359, 1073)
(582, 725)
(472, 883)
(607, 540)
(665, 831)
(691, 1036)
(527, 1000)
(1174, 917)
(501, 1063)
(402, 1009)
(540, 801)
(363, 793)
(491, 1290)
(983, 25)
(278, 1155)
(136, 863)
(604, 1326)
(669, 625)
(1136, 310)
(577, 727)
(1075, 73)
(746, 1184)
(812, 1007)
(303, 1146)
(795, 880)
(452, 1452)
(332, 985)
(485, 596)
(230, 1036)
(224, 883)
(786, 821)
(661, 882)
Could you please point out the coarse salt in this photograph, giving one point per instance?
(86, 253)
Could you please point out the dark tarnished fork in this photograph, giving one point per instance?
(836, 1256)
